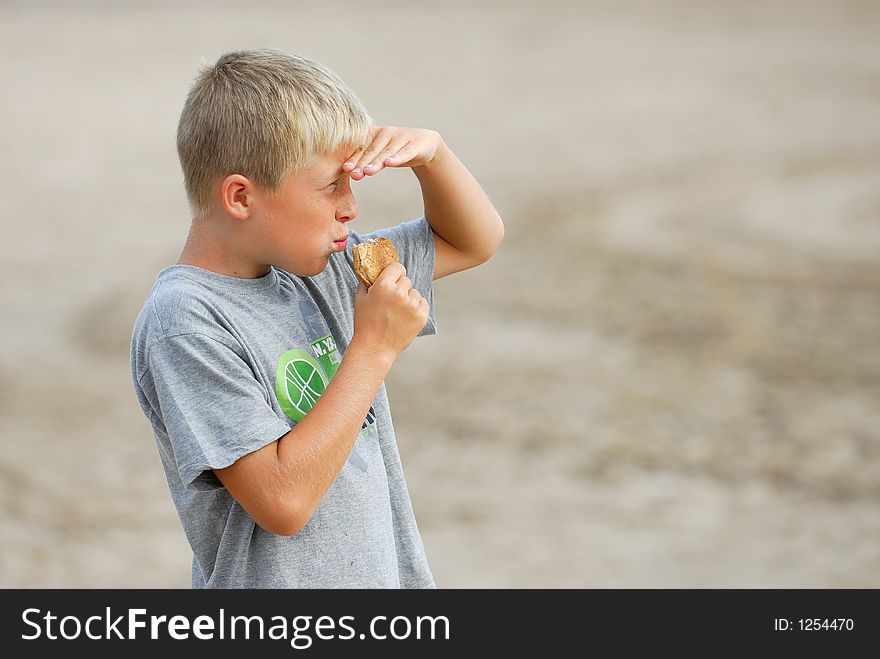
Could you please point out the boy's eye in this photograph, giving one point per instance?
(333, 184)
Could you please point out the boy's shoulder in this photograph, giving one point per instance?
(181, 301)
(183, 304)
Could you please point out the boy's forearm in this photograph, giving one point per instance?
(457, 208)
(311, 455)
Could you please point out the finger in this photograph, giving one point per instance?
(349, 164)
(355, 157)
(380, 141)
(385, 157)
(391, 273)
(401, 156)
(377, 164)
(424, 309)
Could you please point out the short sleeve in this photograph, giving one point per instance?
(414, 242)
(212, 406)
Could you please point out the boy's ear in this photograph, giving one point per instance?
(237, 196)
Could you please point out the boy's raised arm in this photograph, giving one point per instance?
(466, 226)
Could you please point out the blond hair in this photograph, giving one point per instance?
(263, 114)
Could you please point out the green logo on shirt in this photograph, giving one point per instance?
(299, 382)
(301, 378)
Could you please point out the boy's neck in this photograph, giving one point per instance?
(208, 247)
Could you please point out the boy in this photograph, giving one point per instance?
(259, 358)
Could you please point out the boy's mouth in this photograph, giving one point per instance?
(340, 244)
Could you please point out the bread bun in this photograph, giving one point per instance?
(371, 257)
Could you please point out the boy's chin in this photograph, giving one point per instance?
(301, 270)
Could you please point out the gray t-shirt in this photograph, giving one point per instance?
(223, 366)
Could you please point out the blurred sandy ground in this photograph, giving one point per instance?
(668, 377)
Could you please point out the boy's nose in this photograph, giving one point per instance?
(348, 211)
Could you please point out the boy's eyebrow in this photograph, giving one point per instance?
(324, 176)
(331, 174)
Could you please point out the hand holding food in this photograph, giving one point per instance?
(388, 311)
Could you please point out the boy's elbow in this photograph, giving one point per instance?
(284, 518)
(499, 235)
(286, 527)
(494, 241)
